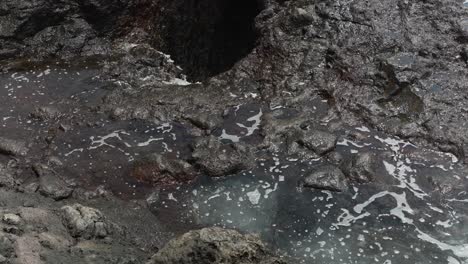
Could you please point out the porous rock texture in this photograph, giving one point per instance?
(309, 69)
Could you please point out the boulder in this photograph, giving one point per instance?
(215, 245)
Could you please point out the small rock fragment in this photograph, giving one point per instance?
(326, 177)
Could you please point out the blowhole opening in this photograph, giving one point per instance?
(206, 37)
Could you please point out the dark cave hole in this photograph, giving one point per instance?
(207, 37)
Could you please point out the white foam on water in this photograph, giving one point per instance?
(457, 200)
(402, 173)
(165, 127)
(73, 151)
(460, 251)
(268, 191)
(252, 95)
(178, 81)
(101, 141)
(254, 197)
(227, 136)
(363, 129)
(445, 224)
(436, 209)
(319, 231)
(452, 260)
(394, 144)
(170, 196)
(399, 211)
(347, 142)
(346, 218)
(256, 119)
(147, 142)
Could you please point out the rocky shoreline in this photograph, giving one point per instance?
(130, 128)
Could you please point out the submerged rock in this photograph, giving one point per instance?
(326, 177)
(215, 245)
(218, 159)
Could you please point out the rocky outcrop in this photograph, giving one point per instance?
(51, 184)
(215, 245)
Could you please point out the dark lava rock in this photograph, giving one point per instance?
(161, 170)
(215, 245)
(218, 159)
(50, 184)
(58, 28)
(361, 167)
(326, 177)
(318, 141)
(13, 147)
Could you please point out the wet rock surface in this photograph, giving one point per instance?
(215, 245)
(13, 147)
(218, 159)
(126, 123)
